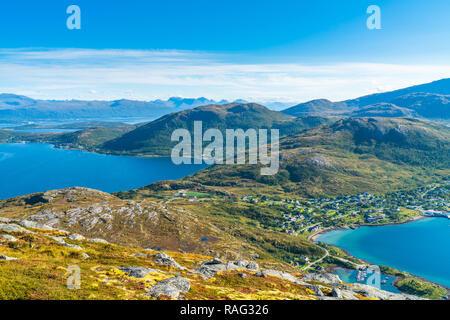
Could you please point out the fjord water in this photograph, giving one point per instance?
(351, 276)
(420, 247)
(29, 168)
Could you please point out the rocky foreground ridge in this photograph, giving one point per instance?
(37, 260)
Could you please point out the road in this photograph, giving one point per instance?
(317, 261)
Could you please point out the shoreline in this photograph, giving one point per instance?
(314, 237)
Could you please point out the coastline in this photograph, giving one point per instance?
(314, 237)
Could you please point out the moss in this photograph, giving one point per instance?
(421, 288)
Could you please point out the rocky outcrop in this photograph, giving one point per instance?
(322, 277)
(9, 238)
(137, 272)
(316, 289)
(73, 246)
(350, 292)
(34, 225)
(6, 258)
(209, 268)
(283, 275)
(98, 241)
(164, 259)
(172, 287)
(336, 293)
(13, 228)
(76, 237)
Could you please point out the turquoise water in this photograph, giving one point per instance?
(29, 168)
(420, 247)
(351, 276)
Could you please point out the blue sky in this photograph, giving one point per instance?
(288, 50)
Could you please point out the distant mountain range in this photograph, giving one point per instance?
(15, 107)
(428, 101)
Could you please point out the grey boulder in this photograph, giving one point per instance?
(13, 228)
(137, 272)
(76, 237)
(170, 287)
(98, 241)
(322, 277)
(9, 238)
(34, 225)
(3, 257)
(164, 259)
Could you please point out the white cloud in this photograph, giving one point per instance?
(140, 74)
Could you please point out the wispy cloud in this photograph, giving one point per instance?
(144, 74)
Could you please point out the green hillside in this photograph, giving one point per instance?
(154, 138)
(349, 156)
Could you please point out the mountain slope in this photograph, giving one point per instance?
(317, 107)
(426, 105)
(149, 224)
(429, 101)
(440, 87)
(42, 263)
(154, 137)
(349, 156)
(387, 110)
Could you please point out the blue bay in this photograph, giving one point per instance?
(420, 247)
(29, 168)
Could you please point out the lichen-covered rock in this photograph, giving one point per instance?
(58, 240)
(164, 259)
(73, 246)
(241, 263)
(336, 293)
(98, 241)
(34, 225)
(322, 277)
(13, 228)
(209, 268)
(282, 275)
(252, 266)
(76, 237)
(375, 293)
(3, 257)
(170, 287)
(9, 238)
(316, 289)
(137, 272)
(140, 255)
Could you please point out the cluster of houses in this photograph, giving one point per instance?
(301, 216)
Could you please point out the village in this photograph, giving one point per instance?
(307, 217)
